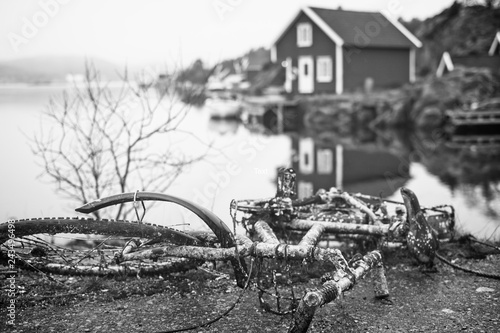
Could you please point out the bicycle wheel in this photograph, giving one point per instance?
(218, 227)
(111, 229)
(60, 245)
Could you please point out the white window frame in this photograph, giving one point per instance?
(306, 156)
(304, 34)
(324, 161)
(321, 62)
(304, 189)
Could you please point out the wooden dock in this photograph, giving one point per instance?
(272, 113)
(474, 118)
(491, 142)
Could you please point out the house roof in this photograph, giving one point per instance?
(449, 62)
(360, 29)
(495, 46)
(376, 27)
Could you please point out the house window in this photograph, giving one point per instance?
(324, 69)
(304, 35)
(325, 161)
(304, 189)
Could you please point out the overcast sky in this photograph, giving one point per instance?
(149, 31)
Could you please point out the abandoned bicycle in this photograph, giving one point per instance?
(151, 248)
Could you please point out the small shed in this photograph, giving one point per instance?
(448, 62)
(491, 60)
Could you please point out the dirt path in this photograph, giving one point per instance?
(446, 301)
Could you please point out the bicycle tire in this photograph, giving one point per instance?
(118, 228)
(78, 225)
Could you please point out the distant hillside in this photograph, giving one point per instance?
(459, 29)
(52, 69)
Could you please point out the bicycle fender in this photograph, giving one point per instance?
(220, 229)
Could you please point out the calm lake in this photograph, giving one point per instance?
(243, 165)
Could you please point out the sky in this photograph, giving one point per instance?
(144, 32)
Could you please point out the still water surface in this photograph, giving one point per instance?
(247, 169)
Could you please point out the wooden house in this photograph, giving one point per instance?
(237, 73)
(332, 51)
(491, 60)
(227, 75)
(257, 60)
(448, 62)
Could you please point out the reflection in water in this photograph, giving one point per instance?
(471, 174)
(472, 170)
(379, 163)
(371, 170)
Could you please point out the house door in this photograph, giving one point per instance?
(306, 75)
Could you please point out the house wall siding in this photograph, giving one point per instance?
(387, 67)
(322, 46)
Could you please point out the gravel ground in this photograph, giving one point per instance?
(445, 301)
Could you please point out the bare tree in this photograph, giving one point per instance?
(103, 140)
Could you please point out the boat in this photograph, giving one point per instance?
(223, 108)
(271, 113)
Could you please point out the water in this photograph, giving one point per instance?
(23, 194)
(247, 169)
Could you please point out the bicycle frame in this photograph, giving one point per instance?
(299, 214)
(341, 214)
(237, 247)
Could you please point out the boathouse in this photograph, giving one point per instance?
(491, 60)
(448, 62)
(333, 51)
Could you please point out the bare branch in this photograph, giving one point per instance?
(105, 140)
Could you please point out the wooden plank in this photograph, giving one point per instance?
(469, 138)
(471, 122)
(480, 141)
(453, 114)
